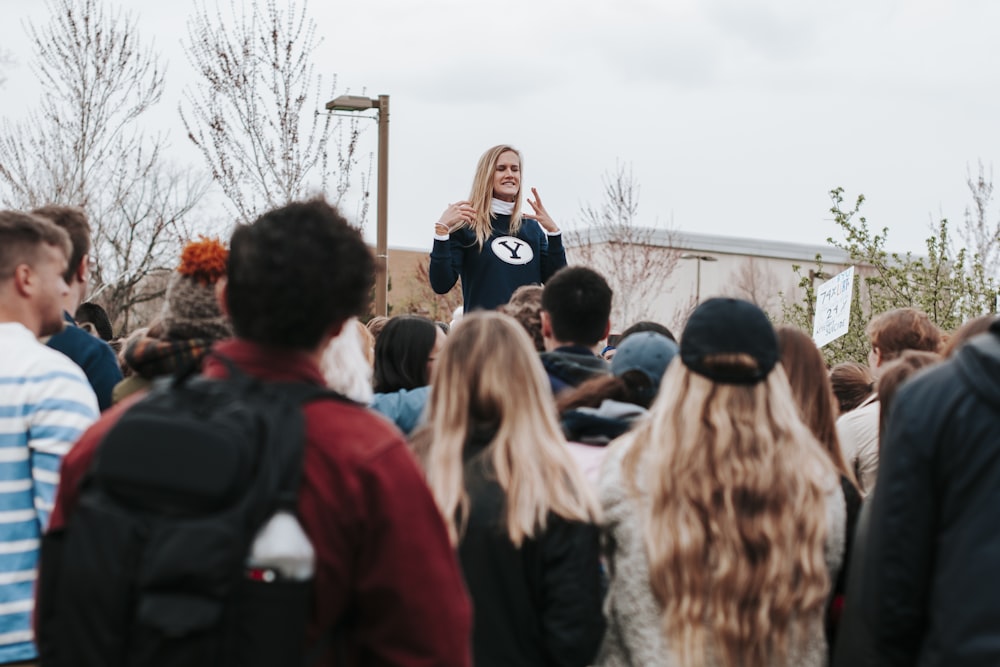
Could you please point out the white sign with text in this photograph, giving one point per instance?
(833, 308)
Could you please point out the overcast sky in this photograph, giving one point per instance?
(737, 116)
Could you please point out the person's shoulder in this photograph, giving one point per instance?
(82, 347)
(351, 430)
(46, 363)
(860, 417)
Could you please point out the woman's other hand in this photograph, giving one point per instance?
(541, 215)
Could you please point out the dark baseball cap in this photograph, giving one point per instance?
(729, 326)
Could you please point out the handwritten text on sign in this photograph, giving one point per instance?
(833, 307)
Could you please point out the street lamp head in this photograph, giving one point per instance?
(703, 258)
(351, 103)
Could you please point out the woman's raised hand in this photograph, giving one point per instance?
(541, 215)
(461, 212)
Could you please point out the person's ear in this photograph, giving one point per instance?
(546, 325)
(82, 270)
(24, 280)
(607, 330)
(221, 294)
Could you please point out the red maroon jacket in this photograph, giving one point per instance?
(383, 555)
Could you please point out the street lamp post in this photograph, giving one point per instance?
(699, 259)
(381, 103)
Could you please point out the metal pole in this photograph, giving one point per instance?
(697, 289)
(382, 229)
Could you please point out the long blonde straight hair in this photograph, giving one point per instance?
(490, 375)
(481, 196)
(736, 532)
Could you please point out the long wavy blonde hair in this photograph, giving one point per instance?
(482, 193)
(490, 375)
(736, 532)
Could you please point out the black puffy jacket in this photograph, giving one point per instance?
(931, 592)
(537, 604)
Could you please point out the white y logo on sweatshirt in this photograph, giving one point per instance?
(512, 250)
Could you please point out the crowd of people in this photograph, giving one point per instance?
(495, 491)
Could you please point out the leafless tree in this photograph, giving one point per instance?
(980, 234)
(252, 113)
(636, 260)
(83, 146)
(753, 281)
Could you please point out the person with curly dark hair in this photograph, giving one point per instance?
(394, 594)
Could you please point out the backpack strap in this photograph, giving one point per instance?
(291, 431)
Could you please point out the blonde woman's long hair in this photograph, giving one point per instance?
(490, 375)
(481, 196)
(736, 531)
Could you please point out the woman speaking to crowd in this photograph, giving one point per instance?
(487, 242)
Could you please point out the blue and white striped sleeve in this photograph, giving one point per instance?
(64, 408)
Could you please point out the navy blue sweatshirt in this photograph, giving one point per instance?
(505, 263)
(93, 355)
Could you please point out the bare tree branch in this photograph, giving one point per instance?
(612, 241)
(83, 146)
(252, 113)
(753, 281)
(979, 234)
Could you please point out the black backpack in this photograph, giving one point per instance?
(150, 569)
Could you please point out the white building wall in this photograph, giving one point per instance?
(753, 269)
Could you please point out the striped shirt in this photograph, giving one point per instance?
(46, 403)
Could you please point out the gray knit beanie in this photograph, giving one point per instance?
(191, 309)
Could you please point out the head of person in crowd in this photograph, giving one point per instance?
(647, 325)
(443, 326)
(33, 258)
(900, 329)
(367, 343)
(896, 372)
(191, 308)
(346, 364)
(375, 326)
(498, 176)
(296, 275)
(970, 329)
(576, 308)
(490, 380)
(190, 321)
(525, 306)
(810, 383)
(405, 353)
(723, 454)
(125, 343)
(641, 326)
(852, 383)
(74, 221)
(636, 372)
(93, 313)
